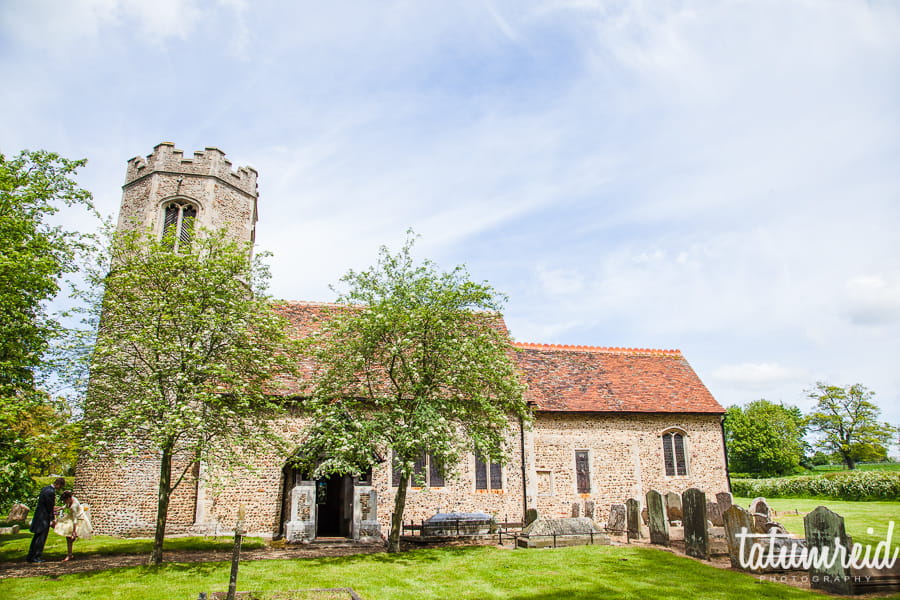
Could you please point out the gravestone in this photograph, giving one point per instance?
(696, 532)
(645, 517)
(761, 514)
(759, 506)
(617, 519)
(659, 524)
(737, 520)
(576, 509)
(713, 515)
(822, 527)
(531, 515)
(633, 518)
(673, 506)
(725, 499)
(715, 510)
(589, 509)
(18, 512)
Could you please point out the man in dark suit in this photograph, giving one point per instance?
(43, 520)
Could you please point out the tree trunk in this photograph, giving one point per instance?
(397, 517)
(162, 506)
(848, 460)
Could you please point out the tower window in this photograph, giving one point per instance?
(178, 224)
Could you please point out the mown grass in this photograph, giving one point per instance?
(15, 547)
(858, 516)
(581, 573)
(885, 466)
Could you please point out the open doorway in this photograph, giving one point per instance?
(334, 506)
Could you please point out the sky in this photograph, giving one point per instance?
(718, 177)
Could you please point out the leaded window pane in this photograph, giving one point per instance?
(435, 476)
(395, 472)
(496, 476)
(680, 462)
(480, 474)
(582, 470)
(668, 454)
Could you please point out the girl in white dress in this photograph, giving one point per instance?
(74, 524)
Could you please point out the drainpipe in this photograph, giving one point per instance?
(524, 469)
(725, 453)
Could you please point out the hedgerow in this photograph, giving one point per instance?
(843, 485)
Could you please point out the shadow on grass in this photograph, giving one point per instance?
(13, 547)
(412, 557)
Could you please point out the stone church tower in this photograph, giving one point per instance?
(167, 190)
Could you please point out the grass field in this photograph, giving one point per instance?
(15, 547)
(626, 572)
(580, 573)
(858, 516)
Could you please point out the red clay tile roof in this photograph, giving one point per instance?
(568, 378)
(592, 379)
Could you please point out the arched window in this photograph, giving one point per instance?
(673, 453)
(178, 223)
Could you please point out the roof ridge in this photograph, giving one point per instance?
(599, 349)
(309, 303)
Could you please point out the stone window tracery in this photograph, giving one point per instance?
(674, 456)
(178, 224)
(488, 475)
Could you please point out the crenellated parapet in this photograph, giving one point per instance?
(210, 162)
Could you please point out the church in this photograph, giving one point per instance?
(609, 423)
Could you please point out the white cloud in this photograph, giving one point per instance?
(872, 299)
(756, 376)
(719, 178)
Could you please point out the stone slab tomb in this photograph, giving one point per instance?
(553, 533)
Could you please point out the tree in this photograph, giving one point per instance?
(185, 357)
(416, 362)
(36, 256)
(847, 421)
(764, 438)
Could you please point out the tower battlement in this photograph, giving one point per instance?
(208, 162)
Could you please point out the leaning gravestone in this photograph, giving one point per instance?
(715, 510)
(617, 519)
(531, 515)
(737, 520)
(633, 518)
(589, 509)
(659, 524)
(673, 506)
(18, 512)
(696, 532)
(822, 527)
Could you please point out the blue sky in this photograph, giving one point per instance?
(719, 177)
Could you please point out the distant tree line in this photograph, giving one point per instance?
(768, 439)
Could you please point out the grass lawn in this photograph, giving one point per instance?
(15, 547)
(858, 516)
(460, 573)
(885, 466)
